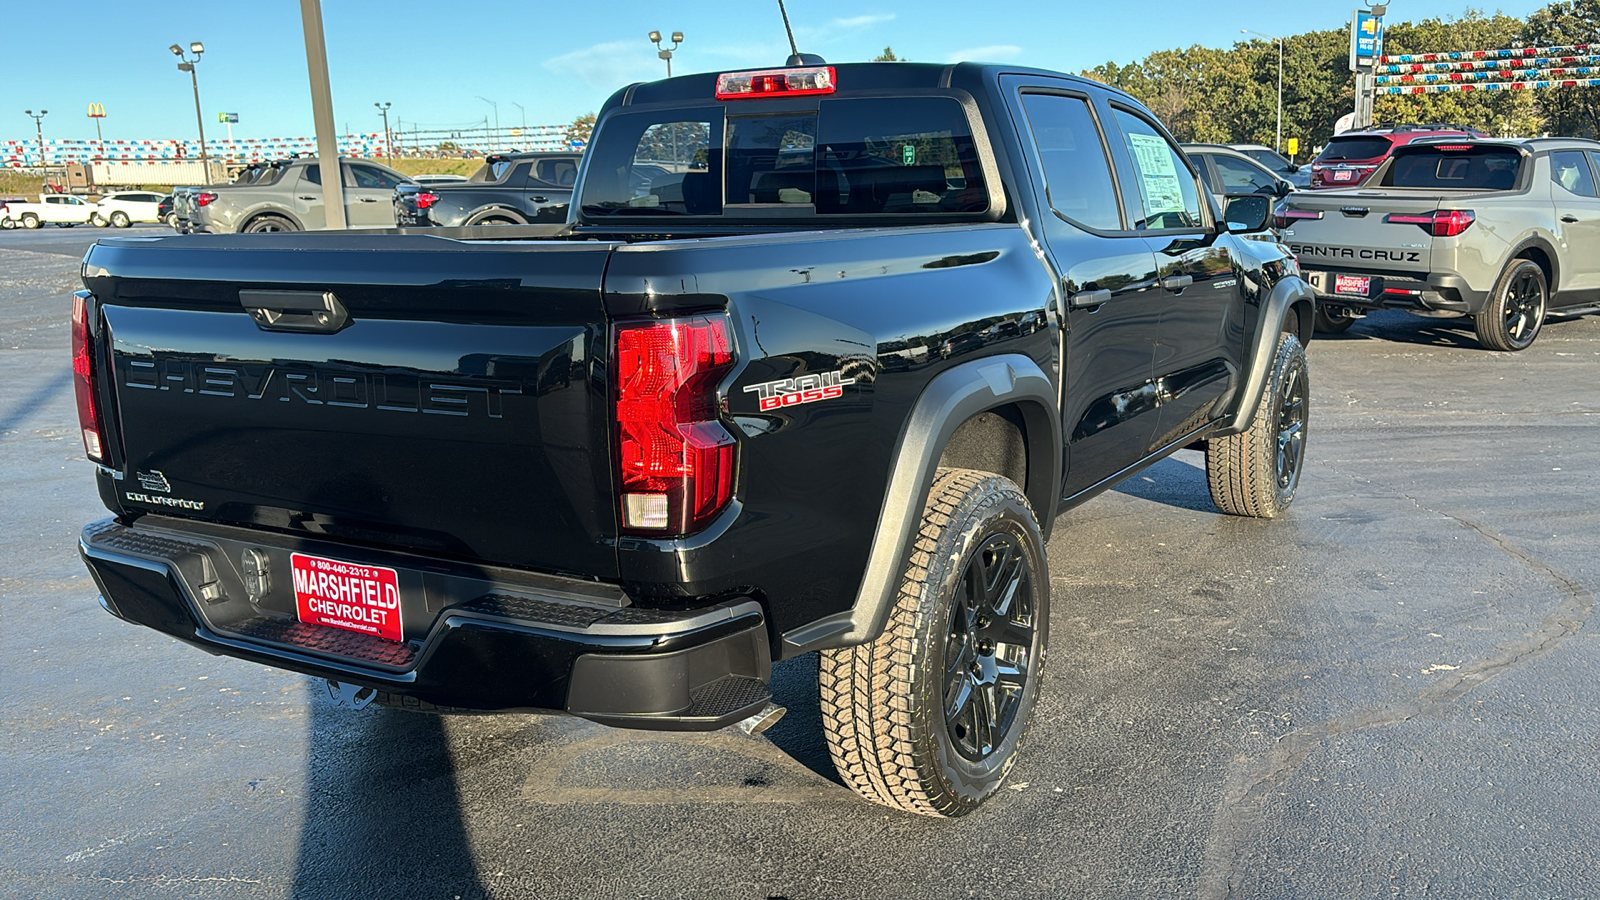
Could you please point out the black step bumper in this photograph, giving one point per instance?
(474, 638)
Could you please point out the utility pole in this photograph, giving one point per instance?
(388, 137)
(187, 65)
(322, 113)
(494, 140)
(39, 130)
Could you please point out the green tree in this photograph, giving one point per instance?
(581, 128)
(888, 56)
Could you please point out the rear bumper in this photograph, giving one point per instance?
(474, 638)
(1431, 292)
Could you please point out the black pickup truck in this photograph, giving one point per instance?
(822, 386)
(514, 189)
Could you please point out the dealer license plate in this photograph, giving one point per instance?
(1343, 174)
(1352, 285)
(351, 596)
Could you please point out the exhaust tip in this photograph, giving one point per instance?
(763, 720)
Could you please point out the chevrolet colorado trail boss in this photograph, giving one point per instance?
(1506, 232)
(822, 383)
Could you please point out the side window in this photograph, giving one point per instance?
(1239, 177)
(311, 174)
(1570, 169)
(561, 172)
(1168, 190)
(1077, 173)
(368, 177)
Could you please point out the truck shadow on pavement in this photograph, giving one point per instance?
(382, 812)
(1179, 481)
(12, 419)
(1405, 328)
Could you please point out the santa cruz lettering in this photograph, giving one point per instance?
(801, 389)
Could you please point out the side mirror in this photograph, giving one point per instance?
(1293, 168)
(1248, 213)
(1284, 189)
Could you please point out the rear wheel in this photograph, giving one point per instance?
(1255, 473)
(1329, 322)
(267, 224)
(29, 220)
(928, 717)
(1516, 308)
(119, 219)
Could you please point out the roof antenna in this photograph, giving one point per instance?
(796, 58)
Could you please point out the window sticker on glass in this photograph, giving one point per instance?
(1163, 193)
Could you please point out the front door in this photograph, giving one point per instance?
(1197, 353)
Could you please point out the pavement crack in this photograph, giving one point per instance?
(1244, 795)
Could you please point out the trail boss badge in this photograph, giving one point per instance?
(804, 389)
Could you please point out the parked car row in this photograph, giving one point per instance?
(118, 210)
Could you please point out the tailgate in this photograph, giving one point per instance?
(449, 399)
(1354, 232)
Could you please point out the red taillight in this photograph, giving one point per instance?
(1285, 216)
(425, 199)
(675, 458)
(1440, 223)
(204, 198)
(83, 379)
(776, 83)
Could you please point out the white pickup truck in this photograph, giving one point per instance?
(64, 210)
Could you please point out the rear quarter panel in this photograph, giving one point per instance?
(888, 310)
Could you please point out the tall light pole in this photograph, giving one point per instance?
(39, 129)
(186, 64)
(524, 114)
(666, 52)
(494, 142)
(388, 138)
(1279, 145)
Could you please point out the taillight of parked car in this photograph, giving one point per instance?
(1440, 223)
(675, 460)
(203, 198)
(83, 379)
(426, 199)
(1285, 216)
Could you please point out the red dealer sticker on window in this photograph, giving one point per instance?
(345, 595)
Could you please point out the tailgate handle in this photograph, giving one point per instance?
(312, 311)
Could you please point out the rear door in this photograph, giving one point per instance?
(369, 196)
(307, 186)
(452, 401)
(1577, 210)
(1108, 275)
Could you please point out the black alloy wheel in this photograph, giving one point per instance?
(988, 648)
(1293, 407)
(1515, 311)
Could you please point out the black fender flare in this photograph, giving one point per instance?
(1272, 322)
(267, 211)
(1537, 241)
(950, 399)
(479, 215)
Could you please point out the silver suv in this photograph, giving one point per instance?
(1504, 231)
(290, 199)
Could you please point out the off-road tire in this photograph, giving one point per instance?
(265, 224)
(1255, 473)
(884, 702)
(1515, 311)
(119, 219)
(1331, 323)
(29, 220)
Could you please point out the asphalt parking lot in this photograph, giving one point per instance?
(1389, 692)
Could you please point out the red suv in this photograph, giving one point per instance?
(1350, 157)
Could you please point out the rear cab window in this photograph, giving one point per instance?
(1341, 149)
(1457, 167)
(905, 156)
(1570, 170)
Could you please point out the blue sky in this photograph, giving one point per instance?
(557, 59)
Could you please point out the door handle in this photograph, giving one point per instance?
(1569, 218)
(368, 200)
(539, 199)
(1176, 283)
(1086, 299)
(295, 310)
(310, 198)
